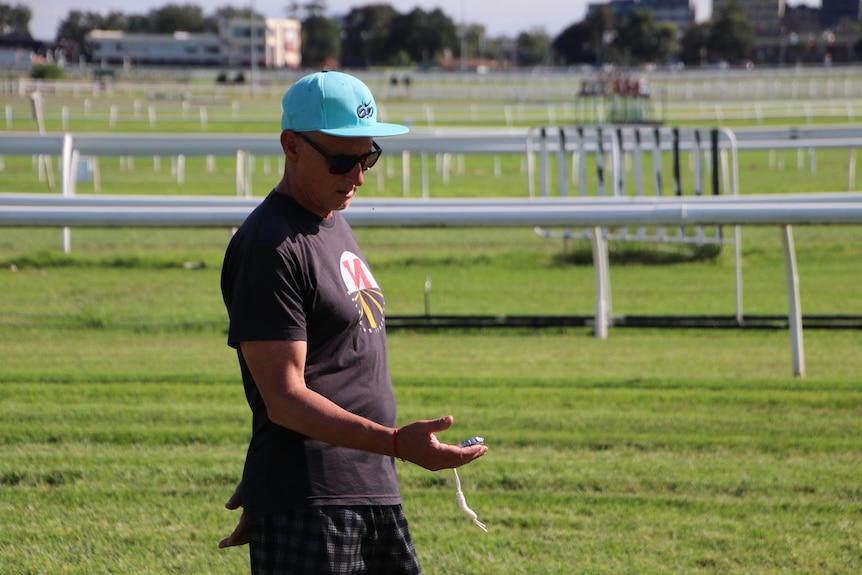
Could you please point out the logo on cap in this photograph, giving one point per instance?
(365, 110)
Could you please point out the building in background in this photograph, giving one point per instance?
(834, 12)
(766, 16)
(679, 12)
(179, 48)
(275, 43)
(802, 19)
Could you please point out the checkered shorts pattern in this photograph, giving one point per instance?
(325, 540)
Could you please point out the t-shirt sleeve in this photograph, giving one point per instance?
(268, 299)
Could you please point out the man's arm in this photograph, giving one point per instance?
(278, 368)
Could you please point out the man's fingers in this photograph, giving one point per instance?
(235, 501)
(235, 539)
(441, 424)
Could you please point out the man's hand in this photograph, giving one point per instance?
(418, 444)
(240, 532)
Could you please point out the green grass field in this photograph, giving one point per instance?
(123, 424)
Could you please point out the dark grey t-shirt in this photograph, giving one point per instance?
(290, 275)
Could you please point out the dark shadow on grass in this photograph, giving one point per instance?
(640, 254)
(48, 260)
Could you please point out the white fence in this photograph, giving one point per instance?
(69, 148)
(783, 211)
(595, 214)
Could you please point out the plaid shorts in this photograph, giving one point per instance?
(333, 541)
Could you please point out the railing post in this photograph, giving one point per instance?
(603, 282)
(67, 185)
(794, 308)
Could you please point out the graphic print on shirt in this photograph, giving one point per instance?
(363, 289)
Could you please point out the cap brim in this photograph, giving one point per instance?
(378, 130)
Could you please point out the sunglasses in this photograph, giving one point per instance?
(343, 163)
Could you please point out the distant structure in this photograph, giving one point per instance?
(240, 42)
(835, 12)
(765, 16)
(19, 51)
(615, 98)
(679, 12)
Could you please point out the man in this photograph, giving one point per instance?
(319, 488)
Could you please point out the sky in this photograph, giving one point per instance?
(500, 17)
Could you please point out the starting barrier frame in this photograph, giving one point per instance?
(623, 157)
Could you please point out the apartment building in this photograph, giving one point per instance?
(275, 43)
(679, 12)
(765, 15)
(834, 12)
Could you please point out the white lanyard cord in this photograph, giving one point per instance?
(462, 503)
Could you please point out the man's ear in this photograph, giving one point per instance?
(289, 142)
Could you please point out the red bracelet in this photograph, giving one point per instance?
(395, 444)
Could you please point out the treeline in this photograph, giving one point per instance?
(379, 35)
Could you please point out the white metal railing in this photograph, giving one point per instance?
(783, 211)
(69, 146)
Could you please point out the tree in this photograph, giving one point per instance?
(211, 24)
(314, 8)
(693, 46)
(574, 45)
(321, 41)
(640, 39)
(366, 35)
(72, 33)
(474, 41)
(15, 20)
(423, 36)
(171, 18)
(534, 47)
(601, 26)
(137, 24)
(732, 34)
(500, 48)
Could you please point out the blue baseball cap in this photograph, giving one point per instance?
(334, 103)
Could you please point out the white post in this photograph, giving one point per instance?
(543, 165)
(97, 178)
(424, 164)
(794, 311)
(737, 251)
(637, 159)
(582, 165)
(562, 166)
(405, 173)
(67, 185)
(181, 169)
(240, 173)
(447, 167)
(603, 304)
